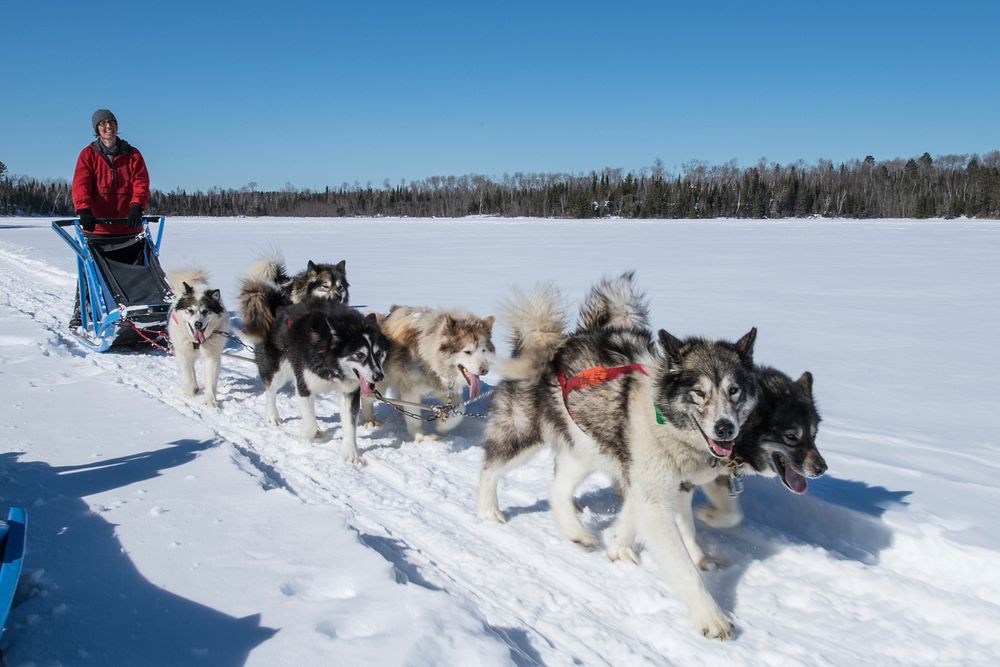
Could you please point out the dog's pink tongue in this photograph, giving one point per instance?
(473, 385)
(199, 336)
(721, 448)
(366, 389)
(795, 482)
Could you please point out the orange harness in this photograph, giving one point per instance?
(591, 377)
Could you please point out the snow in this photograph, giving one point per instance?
(164, 532)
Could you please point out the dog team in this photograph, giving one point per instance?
(658, 415)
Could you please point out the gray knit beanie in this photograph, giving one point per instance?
(99, 115)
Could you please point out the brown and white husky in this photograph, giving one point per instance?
(433, 354)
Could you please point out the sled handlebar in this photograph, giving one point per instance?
(69, 223)
(58, 227)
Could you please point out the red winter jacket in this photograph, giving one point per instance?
(109, 189)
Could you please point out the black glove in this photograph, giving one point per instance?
(134, 216)
(87, 220)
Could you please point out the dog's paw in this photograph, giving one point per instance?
(312, 435)
(586, 540)
(717, 519)
(707, 564)
(426, 437)
(211, 401)
(356, 459)
(492, 515)
(273, 420)
(189, 391)
(371, 424)
(620, 552)
(713, 624)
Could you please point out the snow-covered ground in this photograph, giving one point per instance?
(162, 532)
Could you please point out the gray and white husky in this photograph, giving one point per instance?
(433, 353)
(320, 344)
(198, 320)
(669, 417)
(778, 440)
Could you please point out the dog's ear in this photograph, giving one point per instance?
(187, 288)
(450, 323)
(744, 346)
(214, 294)
(806, 382)
(311, 267)
(488, 324)
(341, 266)
(671, 344)
(372, 318)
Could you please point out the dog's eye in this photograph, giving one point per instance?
(468, 352)
(791, 438)
(734, 391)
(359, 355)
(698, 393)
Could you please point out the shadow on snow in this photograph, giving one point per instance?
(122, 617)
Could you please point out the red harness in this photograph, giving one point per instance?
(593, 376)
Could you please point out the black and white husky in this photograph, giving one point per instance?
(198, 322)
(320, 344)
(607, 398)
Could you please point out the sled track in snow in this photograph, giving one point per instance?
(415, 504)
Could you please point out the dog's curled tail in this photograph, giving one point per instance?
(259, 301)
(537, 323)
(614, 303)
(189, 275)
(270, 268)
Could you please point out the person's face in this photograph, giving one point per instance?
(107, 130)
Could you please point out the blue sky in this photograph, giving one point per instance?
(323, 93)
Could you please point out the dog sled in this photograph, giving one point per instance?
(124, 295)
(13, 534)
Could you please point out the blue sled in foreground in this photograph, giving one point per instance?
(13, 535)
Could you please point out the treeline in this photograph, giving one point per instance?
(943, 187)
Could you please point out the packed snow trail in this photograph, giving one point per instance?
(808, 581)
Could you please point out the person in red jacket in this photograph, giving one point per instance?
(110, 181)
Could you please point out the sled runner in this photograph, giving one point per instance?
(124, 294)
(12, 539)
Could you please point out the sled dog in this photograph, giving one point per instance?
(433, 353)
(778, 440)
(325, 281)
(658, 417)
(196, 328)
(321, 345)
